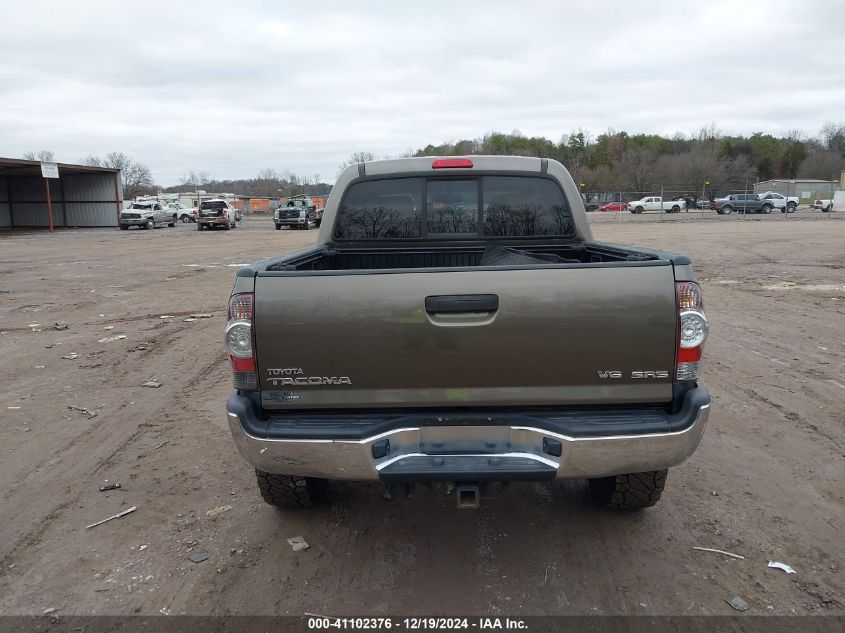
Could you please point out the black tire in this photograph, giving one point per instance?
(124, 227)
(676, 209)
(199, 226)
(828, 208)
(633, 491)
(290, 491)
(227, 226)
(185, 218)
(278, 227)
(727, 210)
(790, 207)
(149, 224)
(767, 208)
(638, 210)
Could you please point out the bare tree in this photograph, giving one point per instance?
(137, 178)
(45, 156)
(636, 167)
(827, 165)
(833, 137)
(357, 157)
(267, 183)
(195, 179)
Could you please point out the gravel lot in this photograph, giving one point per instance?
(767, 482)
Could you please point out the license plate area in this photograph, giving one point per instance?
(464, 440)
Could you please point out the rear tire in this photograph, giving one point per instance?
(290, 491)
(676, 209)
(633, 491)
(767, 208)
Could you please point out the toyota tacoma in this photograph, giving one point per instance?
(470, 333)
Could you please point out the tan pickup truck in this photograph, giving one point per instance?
(457, 326)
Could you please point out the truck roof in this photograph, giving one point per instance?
(481, 164)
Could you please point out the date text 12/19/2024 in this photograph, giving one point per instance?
(317, 623)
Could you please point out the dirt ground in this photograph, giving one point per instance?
(768, 482)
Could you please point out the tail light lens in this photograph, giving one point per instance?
(451, 163)
(239, 342)
(692, 330)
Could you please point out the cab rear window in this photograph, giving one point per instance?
(454, 208)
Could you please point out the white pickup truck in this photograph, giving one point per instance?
(656, 203)
(831, 204)
(779, 201)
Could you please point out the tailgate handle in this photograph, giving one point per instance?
(446, 304)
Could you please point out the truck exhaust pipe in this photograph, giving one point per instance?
(468, 497)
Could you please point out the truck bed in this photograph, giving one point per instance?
(455, 257)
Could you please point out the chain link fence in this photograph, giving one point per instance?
(785, 200)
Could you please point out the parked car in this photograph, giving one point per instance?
(298, 212)
(592, 205)
(465, 347)
(185, 214)
(614, 206)
(216, 212)
(778, 201)
(656, 203)
(742, 203)
(704, 203)
(146, 215)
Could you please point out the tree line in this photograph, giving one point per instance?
(269, 183)
(609, 162)
(138, 179)
(619, 161)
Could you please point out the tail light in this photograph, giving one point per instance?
(692, 330)
(451, 163)
(240, 342)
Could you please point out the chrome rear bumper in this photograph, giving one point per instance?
(472, 453)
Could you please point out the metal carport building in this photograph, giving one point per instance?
(81, 196)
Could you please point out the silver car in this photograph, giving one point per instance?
(146, 215)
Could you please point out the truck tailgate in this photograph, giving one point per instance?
(552, 336)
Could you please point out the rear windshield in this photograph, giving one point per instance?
(458, 208)
(213, 205)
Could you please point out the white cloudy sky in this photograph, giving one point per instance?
(231, 87)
